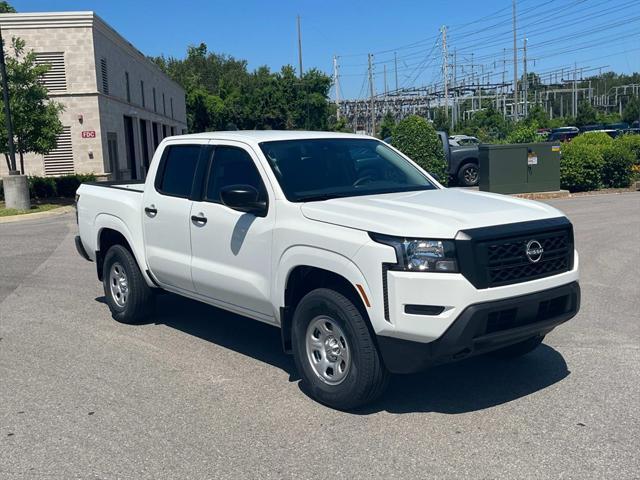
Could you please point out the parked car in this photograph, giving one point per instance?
(463, 141)
(562, 136)
(366, 264)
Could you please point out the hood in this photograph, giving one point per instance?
(430, 213)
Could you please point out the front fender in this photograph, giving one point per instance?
(304, 255)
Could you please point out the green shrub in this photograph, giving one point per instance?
(524, 133)
(632, 142)
(618, 162)
(67, 185)
(42, 187)
(581, 167)
(417, 139)
(599, 139)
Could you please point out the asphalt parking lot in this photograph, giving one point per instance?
(200, 393)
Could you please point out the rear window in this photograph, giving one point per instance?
(178, 170)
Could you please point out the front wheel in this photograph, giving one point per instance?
(468, 175)
(334, 351)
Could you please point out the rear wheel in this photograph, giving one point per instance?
(127, 293)
(468, 175)
(518, 349)
(334, 351)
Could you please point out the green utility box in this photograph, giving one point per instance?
(520, 168)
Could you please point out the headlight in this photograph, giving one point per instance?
(421, 254)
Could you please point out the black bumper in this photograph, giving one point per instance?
(81, 250)
(484, 327)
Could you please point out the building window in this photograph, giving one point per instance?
(142, 92)
(126, 81)
(171, 103)
(59, 161)
(155, 107)
(104, 75)
(54, 79)
(164, 106)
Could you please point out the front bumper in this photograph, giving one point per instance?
(484, 327)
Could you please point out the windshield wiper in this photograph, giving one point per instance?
(320, 197)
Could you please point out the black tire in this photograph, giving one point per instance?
(518, 349)
(468, 175)
(136, 305)
(365, 378)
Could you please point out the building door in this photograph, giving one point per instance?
(112, 154)
(144, 139)
(130, 147)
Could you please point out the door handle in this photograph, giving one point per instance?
(199, 219)
(151, 211)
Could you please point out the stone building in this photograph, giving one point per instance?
(117, 104)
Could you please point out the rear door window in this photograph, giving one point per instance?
(178, 170)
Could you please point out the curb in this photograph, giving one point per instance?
(31, 216)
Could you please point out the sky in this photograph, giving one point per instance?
(560, 33)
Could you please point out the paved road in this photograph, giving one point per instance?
(202, 393)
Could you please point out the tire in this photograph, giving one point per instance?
(357, 375)
(128, 296)
(518, 349)
(468, 175)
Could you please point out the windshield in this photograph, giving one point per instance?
(320, 169)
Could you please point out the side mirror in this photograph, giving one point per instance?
(243, 198)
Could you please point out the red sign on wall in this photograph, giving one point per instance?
(89, 134)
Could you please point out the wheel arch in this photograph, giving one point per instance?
(303, 269)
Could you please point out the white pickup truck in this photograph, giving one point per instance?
(365, 262)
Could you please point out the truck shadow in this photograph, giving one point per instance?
(466, 386)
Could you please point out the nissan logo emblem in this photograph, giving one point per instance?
(534, 251)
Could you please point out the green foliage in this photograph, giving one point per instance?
(587, 115)
(441, 121)
(416, 138)
(387, 125)
(36, 125)
(524, 132)
(5, 7)
(631, 112)
(632, 142)
(597, 139)
(618, 162)
(538, 116)
(221, 92)
(63, 186)
(581, 167)
(488, 125)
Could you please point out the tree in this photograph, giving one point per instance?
(631, 112)
(524, 132)
(5, 7)
(387, 125)
(537, 115)
(586, 115)
(36, 125)
(221, 91)
(417, 139)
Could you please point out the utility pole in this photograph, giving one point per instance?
(526, 81)
(299, 47)
(502, 87)
(574, 102)
(454, 107)
(337, 86)
(7, 109)
(385, 81)
(395, 62)
(373, 111)
(515, 62)
(445, 70)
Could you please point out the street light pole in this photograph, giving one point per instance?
(7, 109)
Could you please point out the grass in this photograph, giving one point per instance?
(36, 207)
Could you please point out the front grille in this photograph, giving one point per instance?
(497, 256)
(508, 262)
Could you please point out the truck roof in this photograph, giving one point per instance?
(258, 136)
